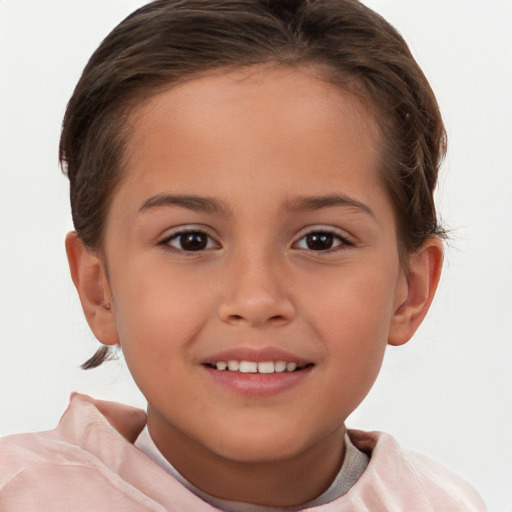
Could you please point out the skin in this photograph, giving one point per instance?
(257, 142)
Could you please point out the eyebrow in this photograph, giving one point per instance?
(312, 203)
(196, 203)
(211, 205)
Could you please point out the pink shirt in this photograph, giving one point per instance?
(86, 464)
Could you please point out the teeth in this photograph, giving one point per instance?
(233, 366)
(248, 367)
(253, 367)
(290, 367)
(267, 367)
(279, 366)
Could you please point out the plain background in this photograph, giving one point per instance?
(448, 393)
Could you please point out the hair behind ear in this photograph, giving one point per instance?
(102, 355)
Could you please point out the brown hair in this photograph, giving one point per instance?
(169, 41)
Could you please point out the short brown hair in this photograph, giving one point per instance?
(169, 41)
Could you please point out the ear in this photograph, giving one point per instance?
(90, 279)
(417, 290)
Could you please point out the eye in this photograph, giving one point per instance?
(321, 241)
(190, 241)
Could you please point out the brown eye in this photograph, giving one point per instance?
(193, 241)
(319, 241)
(322, 241)
(190, 241)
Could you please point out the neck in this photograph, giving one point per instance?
(287, 482)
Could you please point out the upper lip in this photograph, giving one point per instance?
(257, 355)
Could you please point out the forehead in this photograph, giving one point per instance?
(275, 126)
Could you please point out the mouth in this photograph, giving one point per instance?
(264, 367)
(258, 373)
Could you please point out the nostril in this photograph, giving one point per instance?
(255, 311)
(277, 320)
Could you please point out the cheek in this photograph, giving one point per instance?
(353, 317)
(357, 299)
(159, 312)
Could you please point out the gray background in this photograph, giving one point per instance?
(447, 393)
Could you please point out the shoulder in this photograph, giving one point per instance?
(36, 468)
(408, 480)
(89, 430)
(87, 464)
(73, 466)
(25, 453)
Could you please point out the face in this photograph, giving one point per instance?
(252, 231)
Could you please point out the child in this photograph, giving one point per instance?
(252, 192)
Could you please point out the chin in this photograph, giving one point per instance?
(252, 452)
(260, 445)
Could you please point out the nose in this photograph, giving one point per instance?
(256, 293)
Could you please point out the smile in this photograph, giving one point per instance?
(258, 379)
(256, 367)
(259, 372)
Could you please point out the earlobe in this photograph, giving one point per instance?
(89, 277)
(420, 286)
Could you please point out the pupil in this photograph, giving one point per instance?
(319, 241)
(193, 241)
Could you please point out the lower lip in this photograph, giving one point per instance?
(258, 384)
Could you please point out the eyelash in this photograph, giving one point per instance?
(343, 241)
(166, 242)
